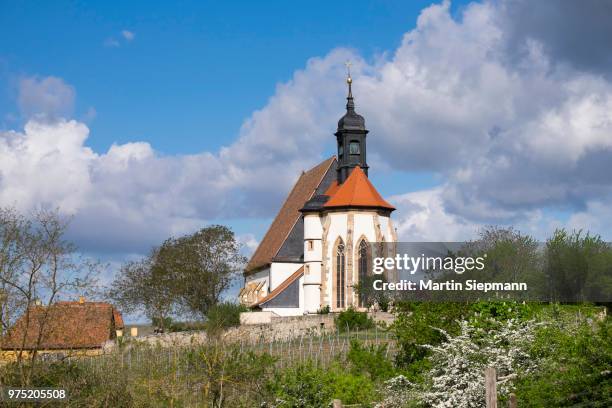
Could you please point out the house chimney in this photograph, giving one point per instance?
(134, 331)
(81, 299)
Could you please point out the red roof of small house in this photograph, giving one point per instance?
(65, 326)
(357, 191)
(118, 319)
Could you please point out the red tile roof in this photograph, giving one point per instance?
(118, 319)
(64, 325)
(357, 191)
(333, 187)
(296, 275)
(288, 215)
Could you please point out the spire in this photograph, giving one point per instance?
(350, 105)
(351, 136)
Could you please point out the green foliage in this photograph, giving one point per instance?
(84, 387)
(574, 369)
(578, 267)
(351, 319)
(224, 315)
(371, 360)
(324, 310)
(416, 323)
(185, 275)
(303, 386)
(369, 296)
(308, 386)
(186, 326)
(202, 265)
(490, 314)
(351, 388)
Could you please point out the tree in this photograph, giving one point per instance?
(579, 267)
(144, 285)
(183, 275)
(203, 265)
(37, 267)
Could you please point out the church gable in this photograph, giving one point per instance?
(284, 239)
(292, 249)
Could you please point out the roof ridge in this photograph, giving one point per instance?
(302, 174)
(287, 215)
(330, 160)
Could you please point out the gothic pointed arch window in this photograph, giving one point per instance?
(363, 263)
(340, 274)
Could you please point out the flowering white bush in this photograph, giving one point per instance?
(456, 378)
(397, 391)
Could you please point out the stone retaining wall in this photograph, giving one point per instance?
(278, 329)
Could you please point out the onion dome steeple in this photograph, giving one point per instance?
(351, 136)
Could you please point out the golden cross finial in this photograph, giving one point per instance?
(348, 64)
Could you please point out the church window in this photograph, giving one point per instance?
(354, 148)
(340, 150)
(362, 267)
(340, 276)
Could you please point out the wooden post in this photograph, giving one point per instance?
(337, 403)
(490, 387)
(512, 403)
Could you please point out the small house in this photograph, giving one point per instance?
(63, 329)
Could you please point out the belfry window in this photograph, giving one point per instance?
(340, 276)
(354, 148)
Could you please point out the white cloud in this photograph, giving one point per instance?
(50, 97)
(420, 217)
(509, 135)
(127, 35)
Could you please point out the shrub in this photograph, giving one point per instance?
(83, 386)
(224, 315)
(307, 386)
(351, 319)
(324, 310)
(575, 367)
(414, 325)
(457, 365)
(186, 326)
(371, 360)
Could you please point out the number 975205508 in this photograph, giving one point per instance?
(32, 394)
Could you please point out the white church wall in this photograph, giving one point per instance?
(337, 228)
(313, 229)
(290, 311)
(364, 227)
(280, 271)
(313, 257)
(259, 276)
(364, 224)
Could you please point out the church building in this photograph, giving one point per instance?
(320, 244)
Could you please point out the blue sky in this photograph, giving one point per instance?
(194, 70)
(151, 119)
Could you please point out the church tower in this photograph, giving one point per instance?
(346, 225)
(351, 138)
(321, 244)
